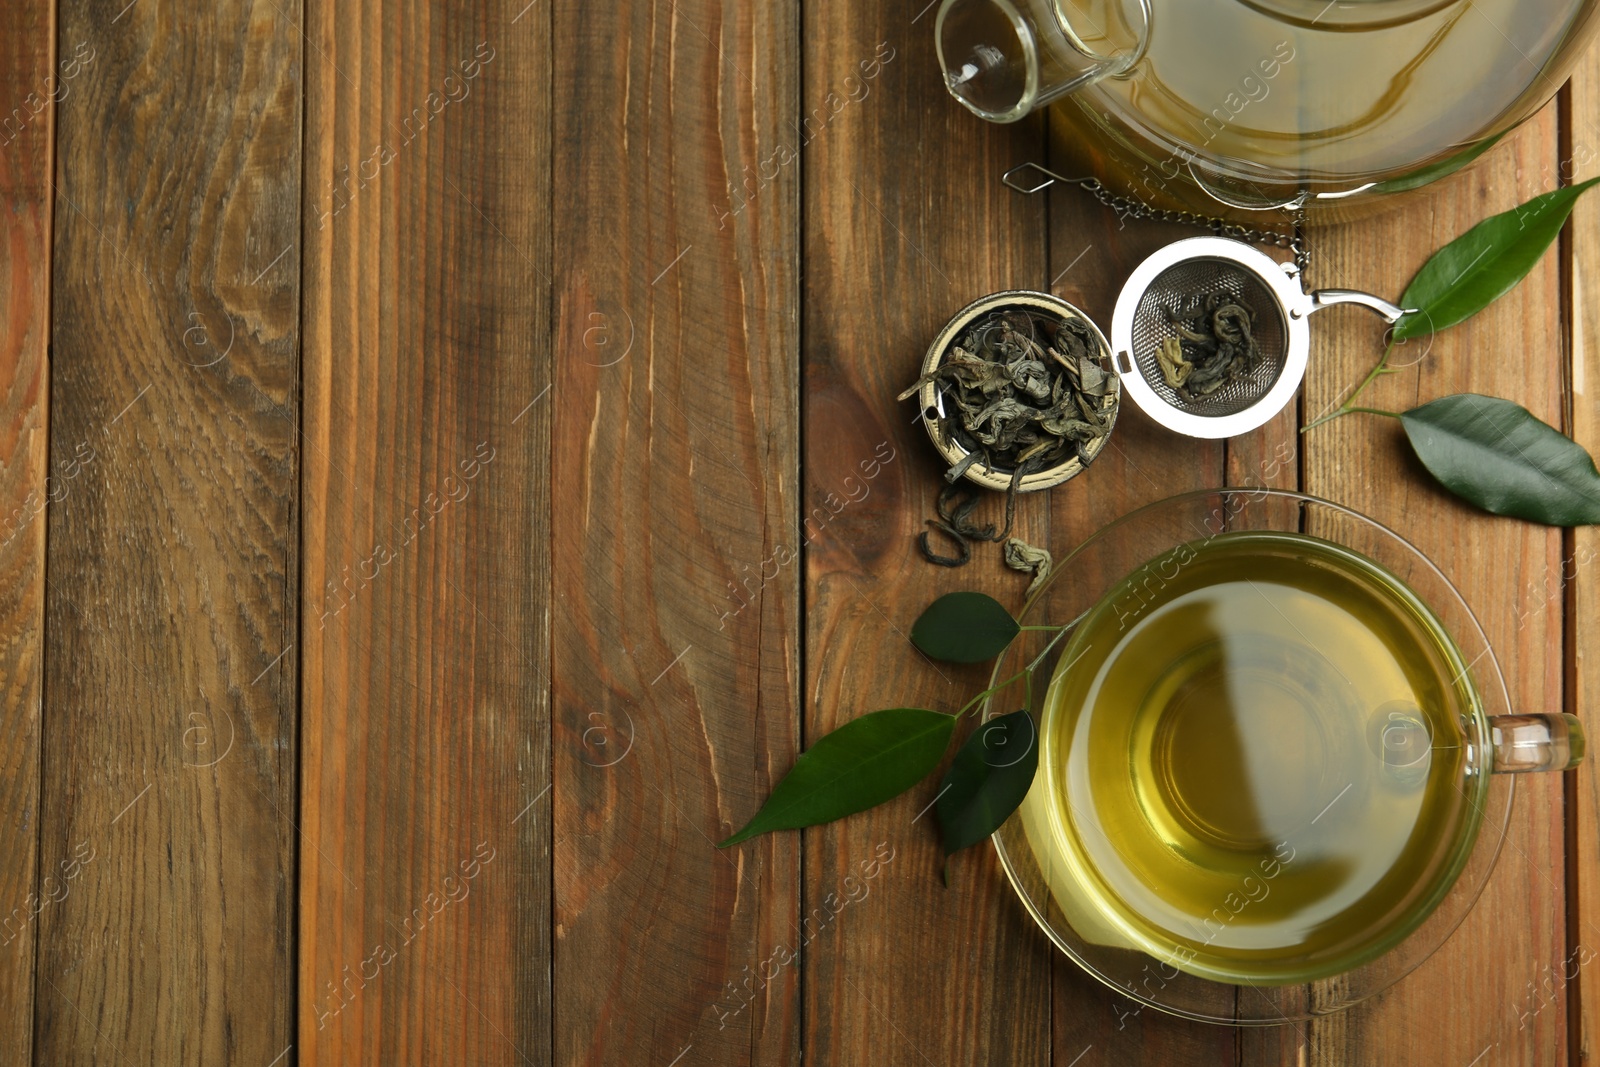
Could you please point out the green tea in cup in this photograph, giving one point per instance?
(1265, 758)
(1255, 761)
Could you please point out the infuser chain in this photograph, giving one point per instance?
(1129, 207)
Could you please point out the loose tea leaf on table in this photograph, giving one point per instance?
(1499, 456)
(1021, 556)
(955, 506)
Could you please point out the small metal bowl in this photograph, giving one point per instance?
(932, 399)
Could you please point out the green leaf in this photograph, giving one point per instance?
(1434, 171)
(858, 766)
(964, 628)
(1500, 457)
(1483, 264)
(987, 780)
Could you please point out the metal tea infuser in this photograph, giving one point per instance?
(1162, 290)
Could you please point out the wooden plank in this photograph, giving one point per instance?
(1577, 582)
(29, 84)
(677, 662)
(1516, 933)
(169, 725)
(915, 973)
(424, 889)
(1092, 253)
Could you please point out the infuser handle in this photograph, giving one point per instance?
(1535, 743)
(1328, 297)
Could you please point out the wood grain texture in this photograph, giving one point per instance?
(677, 660)
(169, 723)
(676, 669)
(1468, 1000)
(575, 348)
(1577, 583)
(28, 85)
(914, 973)
(424, 890)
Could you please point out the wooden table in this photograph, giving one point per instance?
(432, 442)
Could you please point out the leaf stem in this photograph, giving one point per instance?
(1375, 411)
(1045, 651)
(1379, 369)
(1026, 672)
(992, 690)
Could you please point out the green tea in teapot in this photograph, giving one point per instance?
(1253, 758)
(1255, 100)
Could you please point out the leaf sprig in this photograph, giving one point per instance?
(882, 754)
(1486, 450)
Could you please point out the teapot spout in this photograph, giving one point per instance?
(1004, 58)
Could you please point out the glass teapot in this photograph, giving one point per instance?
(1231, 105)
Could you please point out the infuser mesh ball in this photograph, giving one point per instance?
(1176, 293)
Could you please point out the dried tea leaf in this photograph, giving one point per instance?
(1093, 379)
(1174, 368)
(1023, 391)
(1030, 376)
(1211, 345)
(1021, 556)
(1072, 429)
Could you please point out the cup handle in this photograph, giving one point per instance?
(1535, 743)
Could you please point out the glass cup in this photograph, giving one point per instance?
(1475, 744)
